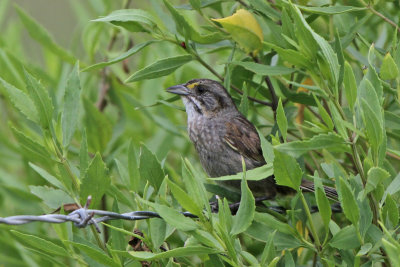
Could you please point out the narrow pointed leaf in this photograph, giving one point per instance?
(348, 202)
(21, 101)
(41, 99)
(281, 119)
(245, 214)
(70, 113)
(95, 182)
(160, 68)
(350, 85)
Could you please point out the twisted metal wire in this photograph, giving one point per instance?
(83, 217)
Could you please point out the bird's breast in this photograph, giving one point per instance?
(215, 156)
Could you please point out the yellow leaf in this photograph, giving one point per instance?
(244, 29)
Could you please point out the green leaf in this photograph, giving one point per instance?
(123, 173)
(266, 9)
(70, 114)
(330, 10)
(281, 119)
(273, 223)
(41, 99)
(372, 76)
(96, 254)
(264, 69)
(393, 252)
(286, 170)
(375, 177)
(267, 148)
(392, 120)
(184, 199)
(288, 258)
(373, 125)
(95, 182)
(158, 231)
(346, 238)
(255, 174)
(47, 176)
(53, 198)
(390, 211)
(160, 68)
(244, 102)
(119, 58)
(134, 20)
(174, 218)
(21, 101)
(269, 250)
(350, 85)
(41, 35)
(150, 168)
(368, 93)
(188, 31)
(32, 148)
(323, 204)
(207, 239)
(40, 244)
(393, 187)
(196, 4)
(324, 114)
(348, 202)
(133, 168)
(117, 234)
(98, 127)
(389, 68)
(330, 141)
(364, 249)
(83, 155)
(245, 214)
(194, 183)
(294, 57)
(173, 253)
(340, 56)
(311, 42)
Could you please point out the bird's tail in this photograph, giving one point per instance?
(329, 191)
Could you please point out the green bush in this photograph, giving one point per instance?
(320, 80)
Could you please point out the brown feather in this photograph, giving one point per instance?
(242, 136)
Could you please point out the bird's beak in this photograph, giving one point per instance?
(179, 89)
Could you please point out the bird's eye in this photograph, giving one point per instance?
(200, 89)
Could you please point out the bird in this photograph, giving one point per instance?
(223, 137)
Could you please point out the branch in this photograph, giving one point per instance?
(391, 22)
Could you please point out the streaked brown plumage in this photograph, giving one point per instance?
(222, 135)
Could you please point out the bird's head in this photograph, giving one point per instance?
(204, 97)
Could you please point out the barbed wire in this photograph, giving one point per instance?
(83, 217)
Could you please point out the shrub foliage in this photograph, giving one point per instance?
(319, 79)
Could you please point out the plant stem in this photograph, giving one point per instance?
(359, 166)
(312, 228)
(391, 22)
(318, 246)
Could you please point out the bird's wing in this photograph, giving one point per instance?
(242, 136)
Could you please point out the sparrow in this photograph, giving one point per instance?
(222, 136)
